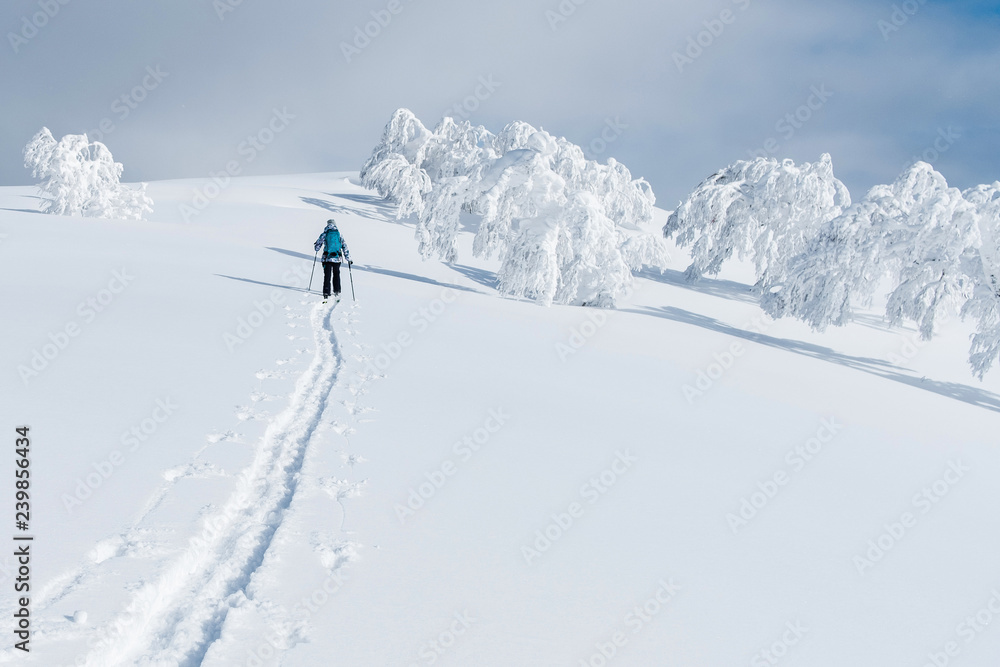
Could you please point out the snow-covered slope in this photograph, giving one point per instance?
(227, 472)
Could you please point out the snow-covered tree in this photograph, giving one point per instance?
(82, 178)
(410, 158)
(933, 238)
(760, 209)
(567, 230)
(984, 302)
(394, 169)
(912, 231)
(38, 153)
(400, 181)
(934, 246)
(838, 269)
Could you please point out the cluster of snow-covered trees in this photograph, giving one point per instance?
(817, 255)
(79, 177)
(567, 230)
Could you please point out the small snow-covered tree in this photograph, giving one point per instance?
(561, 221)
(410, 159)
(566, 229)
(934, 234)
(761, 209)
(838, 269)
(400, 181)
(393, 168)
(82, 178)
(984, 302)
(453, 157)
(629, 202)
(596, 258)
(38, 153)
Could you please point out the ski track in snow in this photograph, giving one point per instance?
(173, 619)
(228, 567)
(257, 613)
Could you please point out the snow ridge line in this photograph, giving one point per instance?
(174, 619)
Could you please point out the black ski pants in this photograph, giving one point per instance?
(331, 270)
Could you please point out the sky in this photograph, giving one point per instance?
(674, 90)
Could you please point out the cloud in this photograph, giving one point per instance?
(893, 91)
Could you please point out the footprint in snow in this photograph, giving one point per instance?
(230, 436)
(194, 470)
(334, 553)
(142, 543)
(247, 413)
(106, 548)
(341, 428)
(352, 459)
(341, 489)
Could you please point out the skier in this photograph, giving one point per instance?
(334, 252)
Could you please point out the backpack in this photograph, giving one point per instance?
(332, 244)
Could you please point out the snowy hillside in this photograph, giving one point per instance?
(226, 471)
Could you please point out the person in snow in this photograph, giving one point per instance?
(334, 253)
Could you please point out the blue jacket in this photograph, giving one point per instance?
(337, 256)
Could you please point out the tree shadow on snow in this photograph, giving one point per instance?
(291, 253)
(878, 322)
(413, 277)
(370, 200)
(734, 291)
(724, 289)
(481, 276)
(878, 367)
(291, 288)
(345, 210)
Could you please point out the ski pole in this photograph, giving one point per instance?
(313, 271)
(352, 279)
